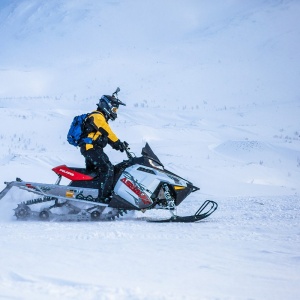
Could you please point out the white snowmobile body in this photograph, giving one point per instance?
(140, 183)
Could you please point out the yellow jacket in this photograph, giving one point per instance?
(101, 123)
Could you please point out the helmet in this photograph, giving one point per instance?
(109, 106)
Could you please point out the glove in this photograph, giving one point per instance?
(122, 147)
(118, 145)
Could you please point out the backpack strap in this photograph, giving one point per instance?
(89, 125)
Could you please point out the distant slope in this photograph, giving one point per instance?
(193, 51)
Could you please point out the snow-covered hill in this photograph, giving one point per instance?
(213, 88)
(192, 51)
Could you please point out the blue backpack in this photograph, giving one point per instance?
(76, 131)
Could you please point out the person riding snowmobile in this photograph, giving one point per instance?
(98, 129)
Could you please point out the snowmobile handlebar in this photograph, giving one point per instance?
(126, 146)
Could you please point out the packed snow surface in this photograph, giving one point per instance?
(213, 88)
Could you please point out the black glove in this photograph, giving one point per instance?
(118, 145)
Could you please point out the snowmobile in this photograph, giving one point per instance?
(140, 184)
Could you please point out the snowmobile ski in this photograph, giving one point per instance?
(199, 215)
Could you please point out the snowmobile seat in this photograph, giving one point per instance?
(74, 174)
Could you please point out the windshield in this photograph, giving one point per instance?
(147, 152)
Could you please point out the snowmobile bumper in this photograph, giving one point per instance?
(9, 185)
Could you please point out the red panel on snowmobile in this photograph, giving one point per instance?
(64, 171)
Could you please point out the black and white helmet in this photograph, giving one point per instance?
(109, 105)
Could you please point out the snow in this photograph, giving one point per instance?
(213, 88)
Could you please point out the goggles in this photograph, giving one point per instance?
(114, 109)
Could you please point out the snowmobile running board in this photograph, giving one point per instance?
(203, 212)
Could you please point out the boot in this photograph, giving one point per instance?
(103, 196)
(106, 185)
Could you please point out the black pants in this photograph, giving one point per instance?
(97, 160)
